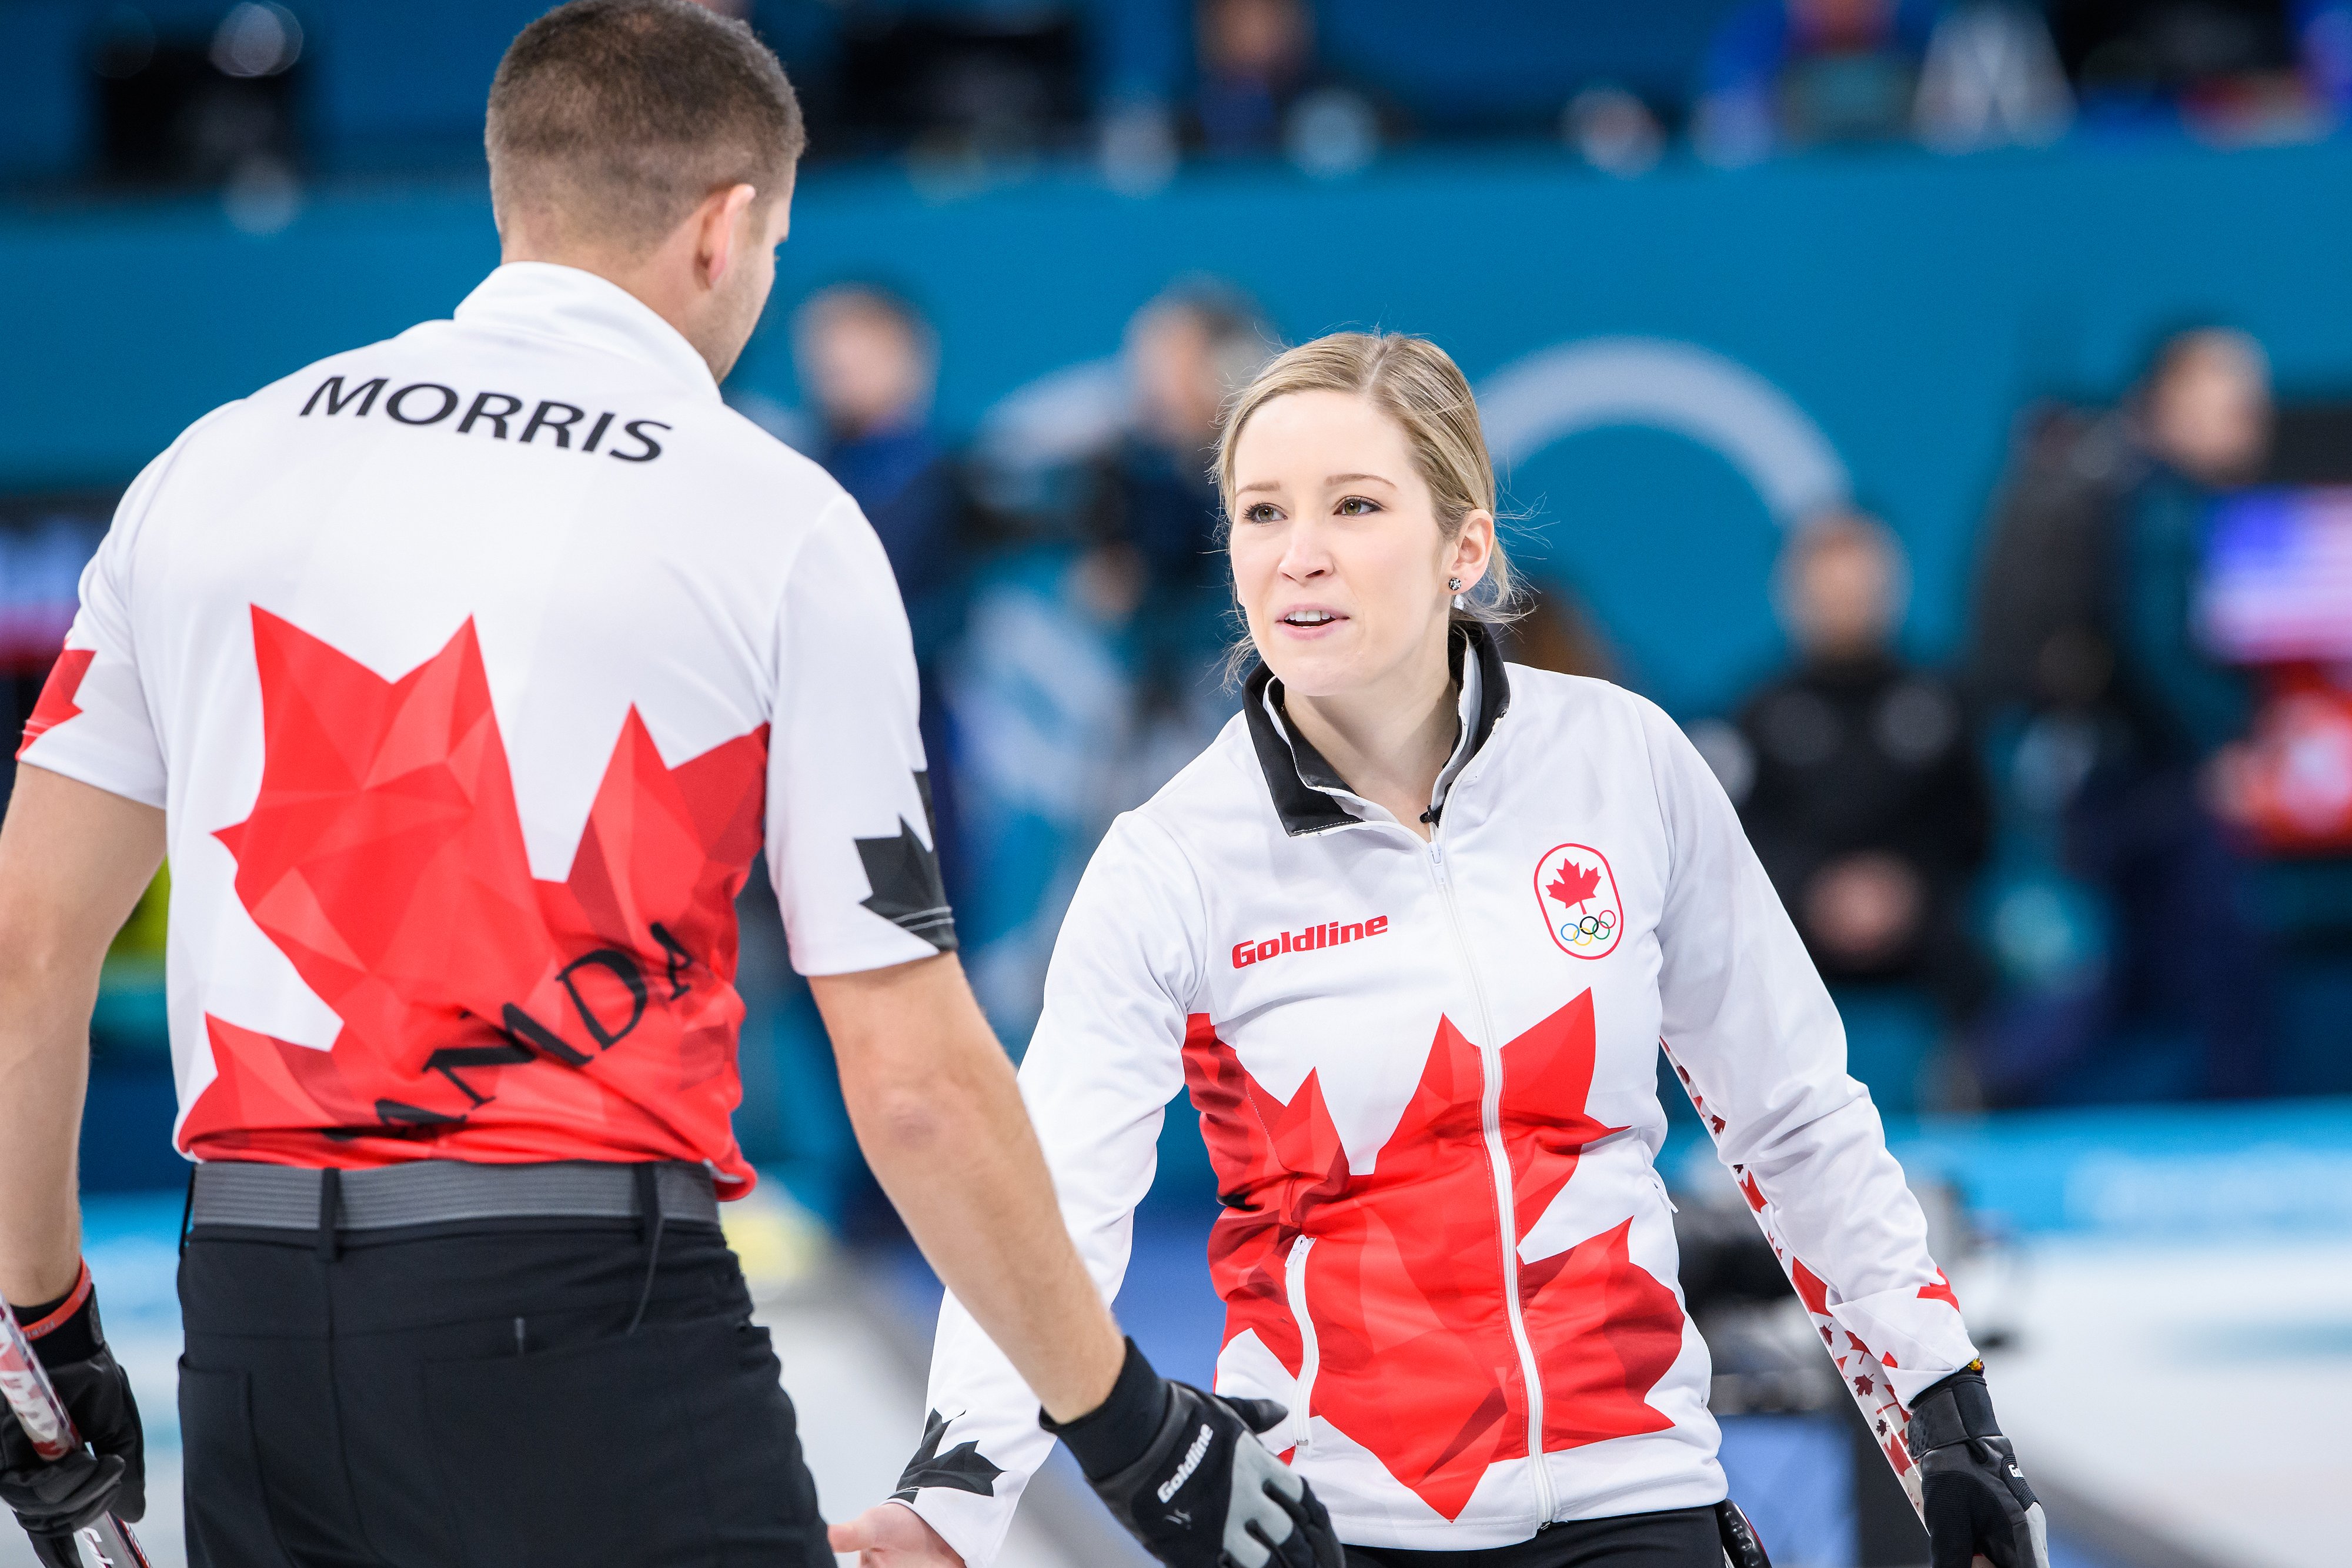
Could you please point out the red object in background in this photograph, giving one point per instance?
(2289, 783)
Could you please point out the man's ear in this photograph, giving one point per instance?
(718, 239)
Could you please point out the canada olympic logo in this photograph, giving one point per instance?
(1578, 894)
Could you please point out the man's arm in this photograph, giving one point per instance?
(938, 1115)
(73, 861)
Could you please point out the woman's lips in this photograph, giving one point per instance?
(1310, 631)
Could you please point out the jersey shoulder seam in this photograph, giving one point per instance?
(166, 463)
(1200, 898)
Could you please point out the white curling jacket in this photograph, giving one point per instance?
(1427, 1074)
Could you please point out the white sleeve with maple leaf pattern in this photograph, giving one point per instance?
(93, 722)
(1105, 1059)
(845, 761)
(1751, 1027)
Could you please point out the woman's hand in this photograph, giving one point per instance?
(893, 1536)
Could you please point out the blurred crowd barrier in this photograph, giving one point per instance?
(1786, 447)
(257, 98)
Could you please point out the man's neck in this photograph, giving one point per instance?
(643, 278)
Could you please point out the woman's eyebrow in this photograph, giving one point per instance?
(1261, 485)
(1352, 478)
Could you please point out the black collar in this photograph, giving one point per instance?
(1297, 775)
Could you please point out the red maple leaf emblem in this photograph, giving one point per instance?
(515, 1019)
(1575, 884)
(1941, 1290)
(57, 703)
(1404, 1285)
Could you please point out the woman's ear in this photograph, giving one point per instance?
(1472, 550)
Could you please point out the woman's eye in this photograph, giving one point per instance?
(1264, 512)
(1358, 506)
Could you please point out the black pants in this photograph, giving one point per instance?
(478, 1400)
(1683, 1538)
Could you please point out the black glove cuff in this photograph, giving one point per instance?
(1116, 1433)
(1952, 1411)
(67, 1329)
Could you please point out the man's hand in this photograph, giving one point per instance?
(55, 1499)
(892, 1535)
(1185, 1472)
(1974, 1496)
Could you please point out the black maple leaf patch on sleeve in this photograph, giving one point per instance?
(962, 1468)
(904, 873)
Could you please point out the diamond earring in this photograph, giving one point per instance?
(1453, 585)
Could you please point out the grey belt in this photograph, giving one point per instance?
(441, 1192)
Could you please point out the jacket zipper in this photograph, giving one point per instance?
(1310, 1354)
(1498, 1160)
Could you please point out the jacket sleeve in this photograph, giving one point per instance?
(1107, 1058)
(851, 850)
(1753, 1035)
(94, 721)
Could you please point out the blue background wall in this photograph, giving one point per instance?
(1907, 304)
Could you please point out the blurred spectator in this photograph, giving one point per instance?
(1992, 79)
(956, 88)
(1150, 509)
(1856, 778)
(2323, 38)
(2206, 416)
(1797, 72)
(869, 362)
(1259, 90)
(1614, 130)
(2084, 633)
(2083, 598)
(2234, 71)
(217, 106)
(1254, 58)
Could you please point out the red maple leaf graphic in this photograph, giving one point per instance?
(519, 1019)
(58, 693)
(1404, 1285)
(1941, 1290)
(1575, 884)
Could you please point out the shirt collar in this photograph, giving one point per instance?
(1307, 791)
(549, 300)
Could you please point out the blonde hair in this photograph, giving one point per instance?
(1417, 384)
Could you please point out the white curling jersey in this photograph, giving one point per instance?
(1426, 1072)
(472, 668)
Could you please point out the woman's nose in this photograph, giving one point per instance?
(1304, 555)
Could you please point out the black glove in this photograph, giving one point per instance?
(1184, 1471)
(57, 1499)
(1974, 1496)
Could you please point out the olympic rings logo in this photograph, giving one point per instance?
(1592, 931)
(1584, 910)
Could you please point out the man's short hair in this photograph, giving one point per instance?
(611, 120)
